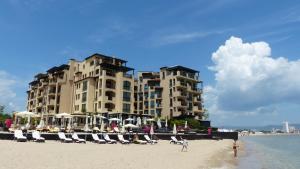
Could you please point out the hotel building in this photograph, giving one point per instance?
(104, 85)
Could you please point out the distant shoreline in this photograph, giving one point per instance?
(272, 134)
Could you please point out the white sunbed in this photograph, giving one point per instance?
(122, 140)
(37, 136)
(149, 140)
(97, 140)
(108, 140)
(77, 139)
(18, 135)
(63, 137)
(175, 141)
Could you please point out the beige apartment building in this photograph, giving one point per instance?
(105, 86)
(169, 93)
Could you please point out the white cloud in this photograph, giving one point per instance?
(7, 94)
(249, 81)
(186, 37)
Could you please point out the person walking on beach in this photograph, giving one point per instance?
(235, 146)
(184, 145)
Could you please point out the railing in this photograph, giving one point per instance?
(127, 75)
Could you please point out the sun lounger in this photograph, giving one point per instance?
(149, 140)
(122, 140)
(37, 136)
(97, 140)
(175, 141)
(18, 135)
(77, 139)
(63, 138)
(108, 140)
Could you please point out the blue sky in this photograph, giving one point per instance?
(35, 35)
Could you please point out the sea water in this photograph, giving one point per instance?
(271, 152)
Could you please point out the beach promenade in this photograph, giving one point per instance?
(57, 155)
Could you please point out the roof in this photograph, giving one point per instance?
(59, 68)
(41, 76)
(178, 67)
(115, 67)
(105, 57)
(33, 83)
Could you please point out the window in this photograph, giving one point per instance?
(84, 86)
(152, 112)
(126, 96)
(152, 104)
(146, 87)
(126, 85)
(96, 96)
(76, 107)
(91, 63)
(152, 95)
(97, 71)
(83, 97)
(83, 107)
(126, 108)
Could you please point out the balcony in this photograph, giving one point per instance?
(39, 104)
(51, 102)
(188, 76)
(180, 84)
(180, 94)
(110, 74)
(197, 109)
(195, 90)
(127, 75)
(180, 104)
(110, 84)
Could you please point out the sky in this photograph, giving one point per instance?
(247, 51)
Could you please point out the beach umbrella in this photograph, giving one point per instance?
(91, 120)
(151, 120)
(166, 125)
(63, 115)
(151, 131)
(86, 126)
(114, 119)
(159, 123)
(102, 126)
(174, 129)
(101, 117)
(42, 123)
(130, 126)
(123, 129)
(144, 121)
(26, 114)
(95, 120)
(129, 119)
(69, 124)
(138, 121)
(185, 125)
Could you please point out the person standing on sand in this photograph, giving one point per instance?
(235, 146)
(184, 145)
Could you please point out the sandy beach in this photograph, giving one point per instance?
(56, 155)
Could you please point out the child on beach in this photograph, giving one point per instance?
(235, 146)
(184, 145)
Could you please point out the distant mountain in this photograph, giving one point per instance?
(260, 128)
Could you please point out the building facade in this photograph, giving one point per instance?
(105, 86)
